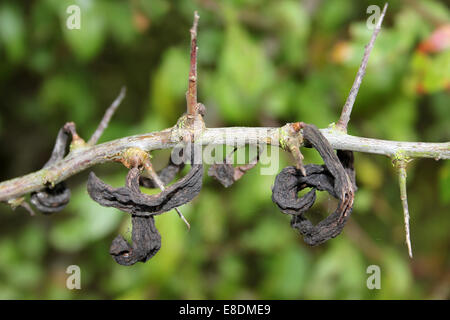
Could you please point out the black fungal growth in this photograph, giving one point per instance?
(146, 240)
(336, 176)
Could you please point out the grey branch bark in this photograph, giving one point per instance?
(84, 158)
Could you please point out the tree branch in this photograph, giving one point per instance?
(85, 157)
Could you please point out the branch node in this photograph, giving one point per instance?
(77, 142)
(291, 140)
(134, 158)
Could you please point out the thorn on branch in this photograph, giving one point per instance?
(107, 117)
(348, 106)
(401, 164)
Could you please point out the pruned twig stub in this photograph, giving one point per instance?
(332, 177)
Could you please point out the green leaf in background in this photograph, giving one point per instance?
(169, 84)
(20, 261)
(444, 182)
(278, 98)
(154, 9)
(12, 32)
(437, 74)
(338, 272)
(312, 102)
(369, 174)
(395, 277)
(212, 217)
(333, 13)
(287, 273)
(230, 275)
(269, 235)
(69, 94)
(396, 120)
(119, 20)
(294, 24)
(87, 41)
(90, 222)
(244, 72)
(252, 186)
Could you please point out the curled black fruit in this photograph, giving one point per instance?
(54, 199)
(130, 199)
(51, 200)
(336, 176)
(146, 242)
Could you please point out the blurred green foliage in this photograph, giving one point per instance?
(261, 63)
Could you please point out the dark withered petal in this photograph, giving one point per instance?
(336, 177)
(146, 242)
(222, 172)
(131, 199)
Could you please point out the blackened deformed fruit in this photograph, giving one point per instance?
(54, 198)
(130, 198)
(143, 208)
(146, 242)
(51, 200)
(227, 174)
(336, 176)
